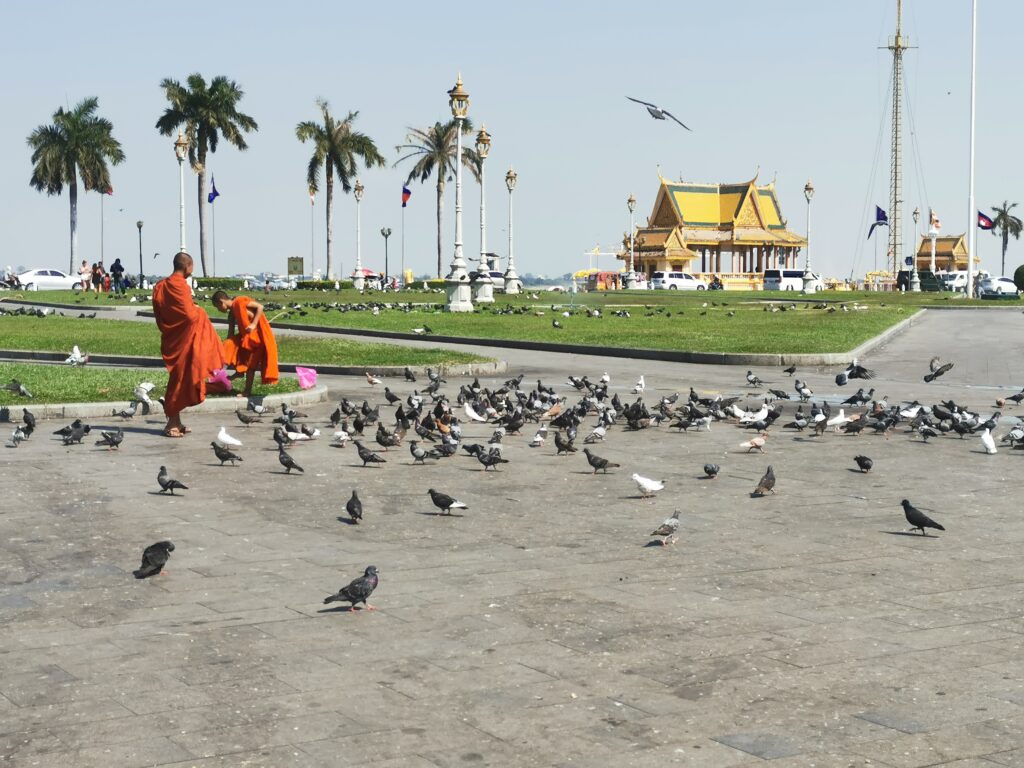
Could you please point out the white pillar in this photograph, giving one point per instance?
(483, 286)
(457, 287)
(181, 206)
(512, 283)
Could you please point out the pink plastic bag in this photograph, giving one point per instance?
(220, 377)
(307, 377)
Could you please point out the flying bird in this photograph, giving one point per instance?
(76, 357)
(647, 486)
(444, 502)
(168, 483)
(918, 520)
(154, 558)
(657, 112)
(936, 369)
(358, 591)
(667, 530)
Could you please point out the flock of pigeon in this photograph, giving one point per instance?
(429, 423)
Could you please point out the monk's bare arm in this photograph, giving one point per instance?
(255, 311)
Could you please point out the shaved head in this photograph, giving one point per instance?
(183, 263)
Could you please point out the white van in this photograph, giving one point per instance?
(783, 280)
(677, 281)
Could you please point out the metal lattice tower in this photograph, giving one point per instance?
(897, 45)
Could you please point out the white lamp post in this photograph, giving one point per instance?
(385, 232)
(808, 275)
(915, 279)
(358, 278)
(631, 275)
(932, 233)
(181, 152)
(512, 282)
(457, 283)
(483, 286)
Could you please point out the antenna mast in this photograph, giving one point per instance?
(897, 45)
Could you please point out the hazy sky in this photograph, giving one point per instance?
(795, 88)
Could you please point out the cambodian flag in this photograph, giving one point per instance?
(881, 220)
(214, 194)
(406, 194)
(984, 222)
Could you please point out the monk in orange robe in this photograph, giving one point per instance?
(189, 344)
(254, 347)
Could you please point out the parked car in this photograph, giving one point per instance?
(497, 278)
(957, 281)
(998, 285)
(49, 280)
(783, 279)
(677, 281)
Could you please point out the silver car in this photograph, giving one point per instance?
(49, 280)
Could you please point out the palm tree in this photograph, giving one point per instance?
(206, 112)
(434, 149)
(78, 145)
(1007, 224)
(337, 149)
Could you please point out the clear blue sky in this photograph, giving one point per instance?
(795, 88)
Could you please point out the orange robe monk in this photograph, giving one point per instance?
(253, 348)
(189, 344)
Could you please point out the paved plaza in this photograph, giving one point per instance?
(542, 627)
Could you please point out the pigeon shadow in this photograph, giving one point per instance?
(290, 474)
(343, 609)
(855, 471)
(653, 543)
(438, 514)
(915, 534)
(347, 520)
(166, 495)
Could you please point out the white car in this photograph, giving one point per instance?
(678, 281)
(49, 280)
(998, 285)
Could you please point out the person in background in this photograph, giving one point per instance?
(117, 276)
(97, 277)
(85, 272)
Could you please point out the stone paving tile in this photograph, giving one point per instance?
(937, 747)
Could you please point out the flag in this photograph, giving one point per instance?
(406, 194)
(933, 220)
(214, 194)
(881, 220)
(984, 222)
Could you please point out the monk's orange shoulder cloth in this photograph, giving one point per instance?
(190, 346)
(257, 349)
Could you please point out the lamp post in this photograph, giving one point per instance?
(181, 152)
(808, 275)
(932, 233)
(915, 280)
(457, 283)
(512, 282)
(385, 232)
(631, 275)
(358, 278)
(483, 286)
(139, 225)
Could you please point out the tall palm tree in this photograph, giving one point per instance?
(77, 146)
(434, 150)
(205, 112)
(337, 149)
(1007, 224)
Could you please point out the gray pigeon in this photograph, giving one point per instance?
(667, 530)
(766, 484)
(168, 483)
(711, 470)
(358, 591)
(154, 558)
(287, 461)
(111, 439)
(224, 454)
(354, 507)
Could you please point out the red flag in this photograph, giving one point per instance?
(984, 222)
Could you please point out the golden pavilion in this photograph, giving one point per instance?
(735, 231)
(950, 253)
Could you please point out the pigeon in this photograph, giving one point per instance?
(647, 486)
(419, 454)
(766, 484)
(409, 375)
(791, 370)
(918, 520)
(68, 429)
(490, 460)
(372, 380)
(141, 395)
(287, 461)
(227, 440)
(667, 530)
(472, 415)
(752, 380)
(988, 441)
(657, 112)
(77, 433)
(563, 447)
(247, 418)
(358, 591)
(936, 369)
(597, 462)
(168, 483)
(29, 418)
(111, 439)
(540, 437)
(341, 437)
(640, 386)
(367, 456)
(422, 331)
(596, 436)
(854, 371)
(154, 558)
(18, 436)
(756, 442)
(354, 507)
(712, 470)
(18, 388)
(76, 357)
(864, 463)
(444, 502)
(555, 324)
(390, 396)
(224, 454)
(128, 413)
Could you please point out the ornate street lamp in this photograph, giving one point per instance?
(358, 278)
(385, 232)
(483, 286)
(915, 279)
(457, 283)
(512, 282)
(181, 152)
(139, 225)
(631, 275)
(809, 286)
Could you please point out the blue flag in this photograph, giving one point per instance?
(214, 194)
(881, 220)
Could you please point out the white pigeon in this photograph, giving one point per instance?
(372, 380)
(296, 437)
(838, 421)
(76, 357)
(703, 421)
(473, 415)
(227, 440)
(605, 378)
(988, 442)
(641, 385)
(749, 417)
(540, 437)
(341, 437)
(736, 411)
(596, 436)
(647, 486)
(142, 391)
(419, 331)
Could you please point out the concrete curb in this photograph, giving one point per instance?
(79, 307)
(134, 361)
(317, 394)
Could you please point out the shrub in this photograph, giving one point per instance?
(219, 283)
(1018, 277)
(321, 285)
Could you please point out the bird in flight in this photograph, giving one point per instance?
(658, 113)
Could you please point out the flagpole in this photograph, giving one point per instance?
(972, 216)
(312, 237)
(102, 217)
(403, 245)
(213, 232)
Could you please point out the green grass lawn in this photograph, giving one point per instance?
(61, 384)
(125, 337)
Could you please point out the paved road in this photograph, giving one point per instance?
(542, 628)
